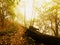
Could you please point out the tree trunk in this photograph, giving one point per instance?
(56, 25)
(56, 28)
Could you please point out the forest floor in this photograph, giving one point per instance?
(15, 35)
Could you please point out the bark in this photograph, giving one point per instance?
(56, 25)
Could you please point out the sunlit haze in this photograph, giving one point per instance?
(26, 8)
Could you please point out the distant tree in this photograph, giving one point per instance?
(6, 10)
(51, 19)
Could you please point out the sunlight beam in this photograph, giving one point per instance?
(29, 10)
